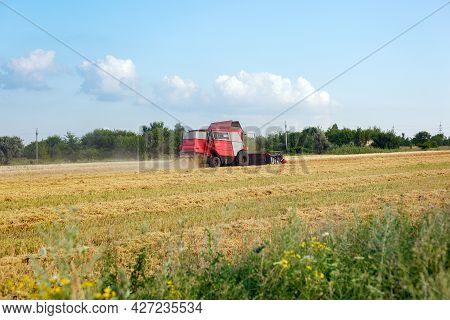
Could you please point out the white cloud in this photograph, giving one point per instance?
(175, 92)
(268, 89)
(176, 89)
(29, 72)
(254, 97)
(101, 85)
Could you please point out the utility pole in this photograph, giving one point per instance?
(37, 146)
(137, 146)
(285, 136)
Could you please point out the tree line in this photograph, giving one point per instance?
(316, 140)
(155, 140)
(152, 141)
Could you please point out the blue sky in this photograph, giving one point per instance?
(204, 61)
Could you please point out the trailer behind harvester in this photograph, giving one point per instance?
(222, 144)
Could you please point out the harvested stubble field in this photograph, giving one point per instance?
(118, 205)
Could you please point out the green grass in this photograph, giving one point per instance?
(388, 256)
(350, 149)
(391, 257)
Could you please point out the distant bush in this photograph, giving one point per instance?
(427, 145)
(438, 139)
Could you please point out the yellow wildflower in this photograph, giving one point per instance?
(284, 263)
(289, 253)
(106, 295)
(65, 281)
(317, 245)
(308, 267)
(87, 284)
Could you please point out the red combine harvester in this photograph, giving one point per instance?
(223, 143)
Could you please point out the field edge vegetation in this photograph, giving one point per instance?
(387, 256)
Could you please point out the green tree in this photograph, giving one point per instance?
(421, 137)
(438, 139)
(405, 141)
(296, 141)
(178, 132)
(321, 142)
(107, 143)
(10, 147)
(102, 139)
(447, 141)
(386, 140)
(157, 138)
(362, 136)
(55, 146)
(340, 137)
(308, 137)
(72, 146)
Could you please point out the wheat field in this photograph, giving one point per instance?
(126, 207)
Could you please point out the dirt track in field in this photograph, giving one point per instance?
(166, 164)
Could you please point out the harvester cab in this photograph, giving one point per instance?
(223, 143)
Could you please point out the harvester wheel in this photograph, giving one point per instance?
(214, 162)
(242, 158)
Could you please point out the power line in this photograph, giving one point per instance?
(384, 45)
(90, 61)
